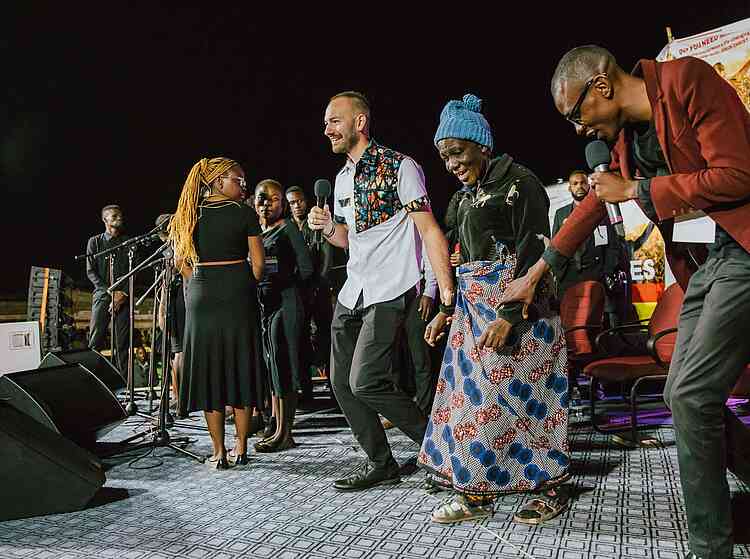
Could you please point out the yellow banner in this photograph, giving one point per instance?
(726, 48)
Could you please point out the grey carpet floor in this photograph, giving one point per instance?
(165, 505)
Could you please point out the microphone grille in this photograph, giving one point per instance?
(597, 153)
(322, 188)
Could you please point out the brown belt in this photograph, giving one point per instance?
(219, 263)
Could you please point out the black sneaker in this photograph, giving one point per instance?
(369, 477)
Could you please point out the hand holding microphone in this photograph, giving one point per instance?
(609, 187)
(319, 219)
(322, 191)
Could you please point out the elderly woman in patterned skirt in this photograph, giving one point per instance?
(499, 423)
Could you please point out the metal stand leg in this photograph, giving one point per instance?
(131, 408)
(160, 435)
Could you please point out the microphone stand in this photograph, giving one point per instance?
(160, 435)
(132, 408)
(152, 358)
(112, 344)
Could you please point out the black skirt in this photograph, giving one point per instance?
(218, 347)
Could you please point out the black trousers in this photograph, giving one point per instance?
(424, 377)
(321, 312)
(100, 317)
(362, 351)
(710, 354)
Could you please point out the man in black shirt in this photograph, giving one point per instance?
(318, 302)
(598, 257)
(103, 304)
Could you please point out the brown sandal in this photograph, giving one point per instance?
(548, 506)
(268, 446)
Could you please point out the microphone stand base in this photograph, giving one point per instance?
(131, 408)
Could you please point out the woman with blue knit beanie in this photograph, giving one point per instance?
(499, 423)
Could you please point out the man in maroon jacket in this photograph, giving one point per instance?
(681, 143)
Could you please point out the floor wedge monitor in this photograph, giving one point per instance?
(92, 360)
(68, 399)
(41, 471)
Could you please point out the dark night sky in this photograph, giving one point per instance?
(113, 105)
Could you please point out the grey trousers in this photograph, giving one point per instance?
(711, 352)
(363, 341)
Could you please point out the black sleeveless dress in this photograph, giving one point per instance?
(221, 313)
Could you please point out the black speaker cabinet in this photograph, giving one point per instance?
(68, 399)
(92, 360)
(42, 472)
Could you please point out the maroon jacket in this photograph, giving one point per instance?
(704, 133)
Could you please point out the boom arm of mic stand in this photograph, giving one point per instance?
(134, 241)
(153, 285)
(138, 268)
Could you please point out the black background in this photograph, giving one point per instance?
(113, 102)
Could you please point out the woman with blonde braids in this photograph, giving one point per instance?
(212, 232)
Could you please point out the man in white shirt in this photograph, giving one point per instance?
(381, 214)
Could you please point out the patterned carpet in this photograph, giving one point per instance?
(165, 505)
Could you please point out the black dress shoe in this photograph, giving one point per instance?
(409, 467)
(369, 477)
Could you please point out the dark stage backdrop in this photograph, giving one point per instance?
(112, 103)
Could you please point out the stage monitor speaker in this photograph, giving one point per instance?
(42, 472)
(93, 361)
(68, 399)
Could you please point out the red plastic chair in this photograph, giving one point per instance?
(652, 364)
(582, 317)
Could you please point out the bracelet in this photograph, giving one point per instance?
(333, 230)
(447, 309)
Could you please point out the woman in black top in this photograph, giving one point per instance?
(288, 264)
(212, 233)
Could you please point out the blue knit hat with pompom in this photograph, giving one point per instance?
(463, 120)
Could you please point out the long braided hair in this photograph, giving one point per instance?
(183, 223)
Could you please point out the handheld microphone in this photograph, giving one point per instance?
(598, 159)
(322, 191)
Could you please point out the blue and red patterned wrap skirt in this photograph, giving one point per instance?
(499, 422)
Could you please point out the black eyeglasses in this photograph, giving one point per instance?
(574, 114)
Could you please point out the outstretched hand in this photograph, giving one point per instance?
(435, 330)
(495, 335)
(519, 290)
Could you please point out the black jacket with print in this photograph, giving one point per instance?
(507, 208)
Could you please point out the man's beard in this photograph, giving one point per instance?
(580, 197)
(350, 139)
